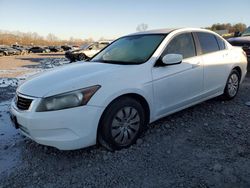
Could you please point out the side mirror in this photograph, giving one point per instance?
(172, 59)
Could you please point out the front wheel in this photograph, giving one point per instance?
(232, 85)
(121, 124)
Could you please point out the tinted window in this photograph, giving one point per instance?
(221, 43)
(182, 44)
(208, 42)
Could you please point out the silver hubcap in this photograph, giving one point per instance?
(125, 125)
(233, 84)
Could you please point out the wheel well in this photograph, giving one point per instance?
(135, 96)
(142, 101)
(238, 70)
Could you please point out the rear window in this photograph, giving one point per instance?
(208, 42)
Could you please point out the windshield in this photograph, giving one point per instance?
(246, 33)
(135, 49)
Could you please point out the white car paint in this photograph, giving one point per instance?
(166, 89)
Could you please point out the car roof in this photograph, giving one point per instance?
(155, 31)
(169, 30)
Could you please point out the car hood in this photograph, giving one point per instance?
(245, 39)
(67, 78)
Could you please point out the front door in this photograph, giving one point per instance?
(176, 86)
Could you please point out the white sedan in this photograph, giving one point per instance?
(134, 81)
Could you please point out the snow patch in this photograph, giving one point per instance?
(45, 64)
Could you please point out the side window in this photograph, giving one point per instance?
(221, 43)
(208, 42)
(182, 44)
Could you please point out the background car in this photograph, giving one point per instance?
(87, 51)
(9, 51)
(3, 52)
(55, 49)
(66, 48)
(22, 49)
(242, 40)
(37, 49)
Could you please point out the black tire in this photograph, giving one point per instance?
(82, 57)
(116, 132)
(232, 85)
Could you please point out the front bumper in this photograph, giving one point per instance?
(68, 129)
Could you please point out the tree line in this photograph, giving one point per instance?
(231, 28)
(33, 39)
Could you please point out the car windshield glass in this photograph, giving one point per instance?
(247, 32)
(134, 49)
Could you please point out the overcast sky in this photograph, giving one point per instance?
(113, 18)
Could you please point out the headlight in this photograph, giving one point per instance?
(67, 100)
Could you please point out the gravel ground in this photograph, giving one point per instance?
(207, 145)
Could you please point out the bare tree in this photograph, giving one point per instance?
(142, 27)
(51, 37)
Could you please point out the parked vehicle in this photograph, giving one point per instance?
(136, 80)
(9, 51)
(47, 49)
(38, 49)
(21, 49)
(86, 51)
(55, 49)
(3, 51)
(75, 47)
(66, 48)
(242, 40)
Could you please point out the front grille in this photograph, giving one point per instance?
(23, 103)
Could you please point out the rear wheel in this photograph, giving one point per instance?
(232, 86)
(121, 123)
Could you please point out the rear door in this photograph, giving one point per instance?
(214, 63)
